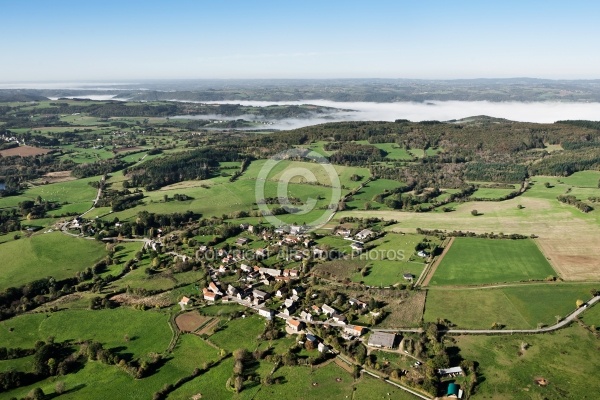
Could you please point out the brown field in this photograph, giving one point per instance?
(405, 312)
(574, 258)
(191, 321)
(58, 176)
(160, 300)
(338, 269)
(569, 239)
(24, 151)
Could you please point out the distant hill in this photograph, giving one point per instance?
(20, 95)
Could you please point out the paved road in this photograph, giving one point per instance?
(561, 324)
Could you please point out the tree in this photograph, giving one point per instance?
(36, 394)
(579, 303)
(60, 387)
(474, 213)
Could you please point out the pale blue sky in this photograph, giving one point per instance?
(130, 40)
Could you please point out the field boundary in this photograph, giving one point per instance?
(555, 267)
(430, 270)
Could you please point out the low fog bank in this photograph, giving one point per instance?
(541, 112)
(95, 97)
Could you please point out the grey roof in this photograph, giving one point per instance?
(382, 339)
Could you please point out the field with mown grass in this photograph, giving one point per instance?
(472, 261)
(517, 307)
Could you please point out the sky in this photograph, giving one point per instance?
(129, 40)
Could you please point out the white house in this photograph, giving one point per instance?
(365, 233)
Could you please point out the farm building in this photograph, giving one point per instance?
(408, 276)
(364, 234)
(295, 325)
(214, 288)
(328, 310)
(208, 295)
(185, 301)
(322, 348)
(354, 330)
(260, 295)
(382, 339)
(265, 312)
(357, 246)
(450, 371)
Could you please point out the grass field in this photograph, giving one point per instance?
(563, 358)
(592, 316)
(492, 193)
(472, 261)
(567, 236)
(584, 179)
(229, 337)
(46, 254)
(77, 192)
(148, 330)
(393, 256)
(519, 307)
(369, 191)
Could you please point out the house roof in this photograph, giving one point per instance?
(328, 309)
(185, 300)
(452, 389)
(356, 328)
(452, 370)
(294, 322)
(383, 339)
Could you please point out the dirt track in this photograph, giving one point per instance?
(436, 263)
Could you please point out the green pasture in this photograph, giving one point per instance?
(492, 193)
(472, 261)
(392, 256)
(369, 191)
(229, 337)
(148, 331)
(517, 307)
(565, 358)
(46, 254)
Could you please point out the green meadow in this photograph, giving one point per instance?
(472, 261)
(565, 358)
(392, 257)
(46, 254)
(517, 307)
